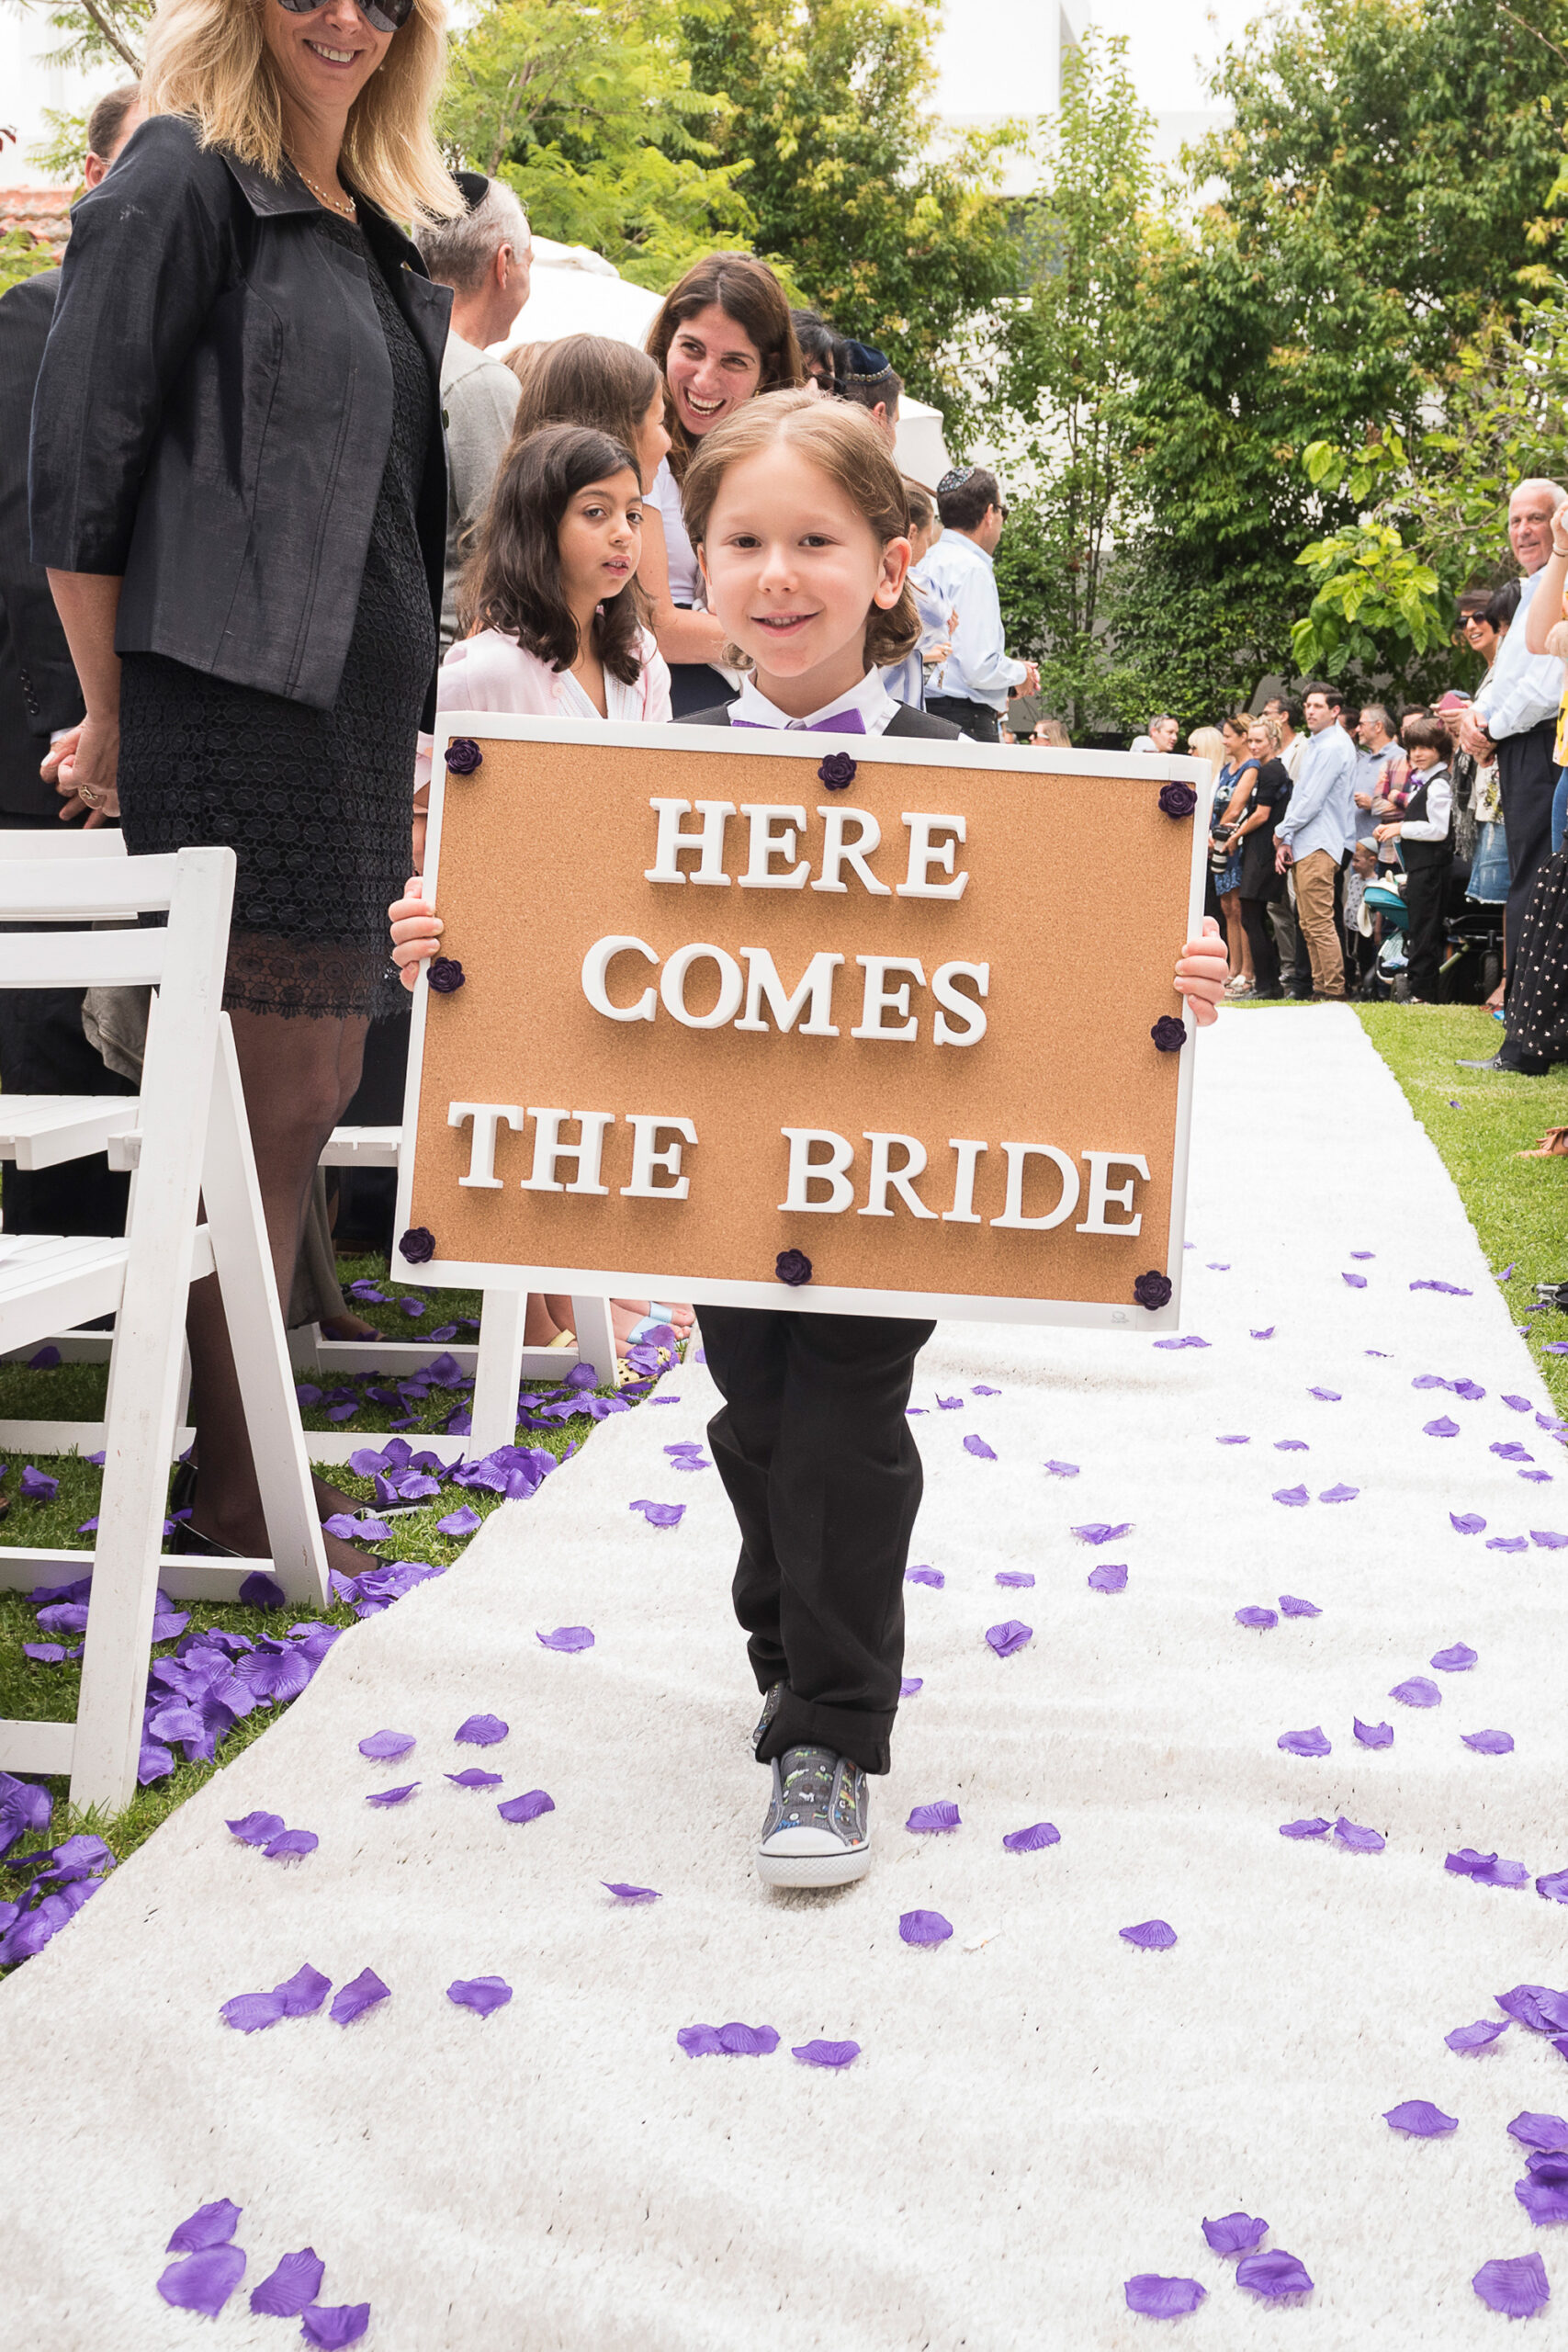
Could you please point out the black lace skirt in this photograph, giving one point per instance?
(1538, 997)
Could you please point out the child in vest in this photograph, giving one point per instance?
(1424, 835)
(800, 521)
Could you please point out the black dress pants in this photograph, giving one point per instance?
(1425, 887)
(823, 1473)
(976, 719)
(1527, 778)
(1260, 939)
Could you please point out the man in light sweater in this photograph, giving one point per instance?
(484, 258)
(1315, 833)
(974, 683)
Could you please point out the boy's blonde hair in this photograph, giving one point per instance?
(208, 60)
(841, 442)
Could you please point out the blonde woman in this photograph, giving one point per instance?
(239, 488)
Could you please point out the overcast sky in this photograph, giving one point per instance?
(999, 58)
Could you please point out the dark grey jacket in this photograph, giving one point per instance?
(37, 685)
(214, 412)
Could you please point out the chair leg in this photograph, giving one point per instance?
(244, 1262)
(595, 1337)
(498, 1371)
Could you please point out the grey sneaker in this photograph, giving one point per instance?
(816, 1833)
(770, 1709)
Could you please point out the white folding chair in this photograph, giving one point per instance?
(193, 1144)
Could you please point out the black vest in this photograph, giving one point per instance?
(1418, 854)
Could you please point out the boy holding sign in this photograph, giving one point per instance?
(799, 515)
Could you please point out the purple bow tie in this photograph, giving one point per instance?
(843, 722)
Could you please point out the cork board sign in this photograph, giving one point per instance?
(885, 1005)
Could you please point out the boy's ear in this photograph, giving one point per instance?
(897, 557)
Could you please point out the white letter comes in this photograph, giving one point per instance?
(595, 969)
(954, 1000)
(764, 985)
(879, 998)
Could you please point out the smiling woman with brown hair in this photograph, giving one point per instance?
(239, 488)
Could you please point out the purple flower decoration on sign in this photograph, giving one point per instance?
(528, 1807)
(1109, 1576)
(296, 2282)
(1009, 1637)
(1489, 1743)
(1236, 2233)
(445, 974)
(386, 1746)
(1359, 1840)
(978, 1448)
(943, 1814)
(483, 1994)
(837, 771)
(1031, 1841)
(794, 1267)
(1372, 1735)
(566, 1637)
(1273, 2273)
(417, 1247)
(352, 2001)
(1151, 1935)
(1518, 2288)
(464, 756)
(1158, 2298)
(924, 1927)
(482, 1731)
(1417, 1692)
(1305, 1743)
(1313, 1827)
(1152, 1290)
(1259, 1619)
(1479, 2036)
(1466, 1522)
(624, 1894)
(826, 2053)
(211, 2224)
(661, 1514)
(1177, 799)
(203, 2281)
(1169, 1033)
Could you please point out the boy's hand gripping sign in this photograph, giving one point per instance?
(829, 1023)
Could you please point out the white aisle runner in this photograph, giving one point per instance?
(1033, 2118)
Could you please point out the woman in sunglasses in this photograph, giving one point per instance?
(239, 488)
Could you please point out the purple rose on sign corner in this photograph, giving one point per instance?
(1169, 1033)
(1177, 799)
(417, 1246)
(1153, 1290)
(464, 756)
(445, 974)
(837, 772)
(792, 1266)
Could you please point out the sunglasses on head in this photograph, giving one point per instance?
(381, 16)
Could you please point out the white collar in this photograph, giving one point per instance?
(871, 698)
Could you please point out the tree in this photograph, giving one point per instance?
(92, 33)
(1064, 359)
(896, 232)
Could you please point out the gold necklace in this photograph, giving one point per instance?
(345, 210)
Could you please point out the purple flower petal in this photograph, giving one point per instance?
(826, 2054)
(1417, 1692)
(329, 2327)
(1372, 1735)
(661, 1514)
(1010, 1637)
(1359, 1840)
(1290, 1606)
(1466, 1522)
(942, 1815)
(482, 1731)
(1063, 1469)
(933, 1577)
(1357, 1282)
(1339, 1495)
(1236, 2233)
(1457, 1660)
(1291, 1497)
(1327, 1395)
(979, 1389)
(1506, 1543)
(1305, 1743)
(1517, 1404)
(351, 2001)
(1151, 1935)
(255, 1829)
(386, 1746)
(1542, 2201)
(260, 1591)
(1441, 1427)
(700, 2041)
(1539, 2131)
(1109, 1576)
(1517, 2288)
(527, 1807)
(924, 1927)
(474, 1779)
(1158, 2298)
(1291, 1445)
(1553, 1888)
(624, 1894)
(1019, 1579)
(1099, 1531)
(566, 1637)
(392, 1796)
(976, 1445)
(1479, 2036)
(252, 2012)
(1315, 1826)
(1537, 2006)
(1260, 1619)
(211, 2224)
(203, 2281)
(909, 1684)
(1232, 1441)
(737, 2040)
(296, 2282)
(1273, 2273)
(1511, 1451)
(951, 1403)
(1489, 1743)
(1039, 1835)
(481, 1994)
(461, 1522)
(38, 1487)
(1548, 1540)
(1265, 1335)
(291, 1846)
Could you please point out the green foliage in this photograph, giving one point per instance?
(21, 257)
(1374, 604)
(92, 33)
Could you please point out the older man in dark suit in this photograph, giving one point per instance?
(43, 1050)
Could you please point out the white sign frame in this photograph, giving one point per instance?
(633, 1282)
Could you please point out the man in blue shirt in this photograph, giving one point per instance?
(1315, 831)
(974, 684)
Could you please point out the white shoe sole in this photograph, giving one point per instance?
(813, 1869)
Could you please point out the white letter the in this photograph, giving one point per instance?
(671, 840)
(646, 1132)
(1018, 1156)
(595, 969)
(764, 985)
(487, 1117)
(548, 1149)
(804, 1171)
(1104, 1196)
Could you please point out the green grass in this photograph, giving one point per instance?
(43, 1693)
(1479, 1121)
